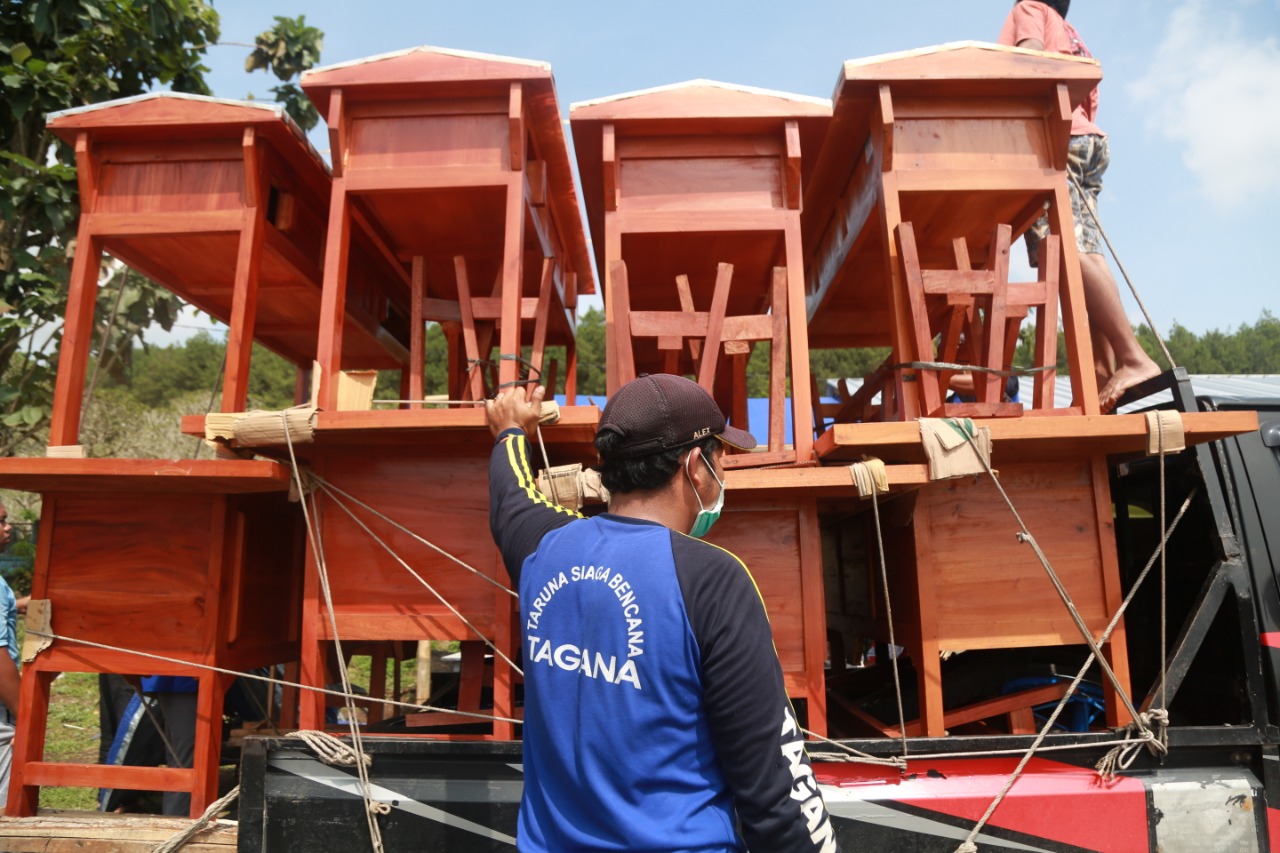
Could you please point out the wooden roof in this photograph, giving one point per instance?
(691, 107)
(435, 73)
(170, 116)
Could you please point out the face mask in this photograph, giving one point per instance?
(706, 517)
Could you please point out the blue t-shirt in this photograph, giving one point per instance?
(656, 715)
(9, 630)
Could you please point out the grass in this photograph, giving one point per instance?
(72, 736)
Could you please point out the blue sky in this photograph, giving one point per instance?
(1191, 98)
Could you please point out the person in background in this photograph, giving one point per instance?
(656, 717)
(1119, 360)
(9, 672)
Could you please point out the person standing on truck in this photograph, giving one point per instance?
(1120, 361)
(9, 675)
(656, 717)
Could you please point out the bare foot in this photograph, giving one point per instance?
(1125, 377)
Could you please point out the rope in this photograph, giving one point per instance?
(374, 536)
(969, 368)
(1122, 751)
(870, 478)
(1093, 214)
(322, 572)
(1152, 732)
(1027, 538)
(411, 706)
(849, 755)
(330, 487)
(197, 826)
(330, 749)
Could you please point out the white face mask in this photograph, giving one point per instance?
(706, 517)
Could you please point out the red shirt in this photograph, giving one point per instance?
(1031, 19)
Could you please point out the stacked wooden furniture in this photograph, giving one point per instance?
(693, 196)
(456, 166)
(936, 160)
(192, 560)
(931, 152)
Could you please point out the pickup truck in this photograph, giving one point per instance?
(1216, 788)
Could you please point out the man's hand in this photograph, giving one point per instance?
(511, 409)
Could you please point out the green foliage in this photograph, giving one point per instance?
(1250, 349)
(286, 50)
(592, 378)
(160, 375)
(827, 364)
(54, 55)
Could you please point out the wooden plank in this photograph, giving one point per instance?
(715, 326)
(43, 474)
(1034, 437)
(417, 332)
(168, 222)
(96, 832)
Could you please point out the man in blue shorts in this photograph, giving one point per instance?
(1119, 360)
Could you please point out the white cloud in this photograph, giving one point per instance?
(1213, 87)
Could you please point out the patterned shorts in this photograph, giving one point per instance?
(1087, 159)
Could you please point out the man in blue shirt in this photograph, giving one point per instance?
(9, 679)
(656, 717)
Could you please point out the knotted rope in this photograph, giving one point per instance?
(1152, 731)
(330, 749)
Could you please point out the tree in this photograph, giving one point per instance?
(57, 54)
(288, 49)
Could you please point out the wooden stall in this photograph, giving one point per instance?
(693, 194)
(454, 166)
(937, 159)
(194, 561)
(198, 561)
(222, 203)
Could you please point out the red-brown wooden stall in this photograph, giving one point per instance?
(457, 164)
(681, 181)
(693, 196)
(186, 559)
(936, 159)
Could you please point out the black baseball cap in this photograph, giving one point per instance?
(661, 412)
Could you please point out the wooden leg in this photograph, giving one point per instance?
(512, 277)
(715, 327)
(333, 298)
(1047, 322)
(28, 744)
(471, 675)
(417, 334)
(208, 744)
(474, 382)
(77, 335)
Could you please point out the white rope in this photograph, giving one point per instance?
(1122, 749)
(1025, 536)
(353, 722)
(865, 475)
(849, 755)
(177, 842)
(330, 749)
(1152, 732)
(455, 611)
(416, 536)
(411, 706)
